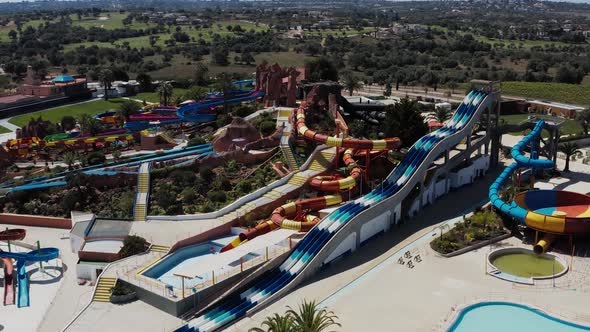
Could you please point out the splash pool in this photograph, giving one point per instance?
(509, 317)
(164, 270)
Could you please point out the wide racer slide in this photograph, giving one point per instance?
(309, 254)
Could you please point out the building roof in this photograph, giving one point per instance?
(63, 79)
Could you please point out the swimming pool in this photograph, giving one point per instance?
(164, 270)
(509, 317)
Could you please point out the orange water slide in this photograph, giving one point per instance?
(363, 144)
(333, 183)
(280, 215)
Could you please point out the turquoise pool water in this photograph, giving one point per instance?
(509, 317)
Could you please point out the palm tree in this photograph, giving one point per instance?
(310, 318)
(88, 124)
(584, 120)
(224, 85)
(276, 323)
(165, 91)
(70, 158)
(569, 149)
(127, 108)
(350, 82)
(440, 115)
(442, 229)
(106, 77)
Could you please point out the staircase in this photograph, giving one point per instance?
(283, 122)
(323, 161)
(103, 289)
(159, 248)
(167, 138)
(142, 193)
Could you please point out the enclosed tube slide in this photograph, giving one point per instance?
(39, 255)
(330, 183)
(10, 235)
(364, 144)
(554, 223)
(194, 112)
(268, 285)
(279, 218)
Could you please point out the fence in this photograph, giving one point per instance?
(215, 276)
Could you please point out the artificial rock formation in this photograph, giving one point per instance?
(279, 84)
(238, 134)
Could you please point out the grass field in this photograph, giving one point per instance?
(4, 130)
(569, 127)
(181, 69)
(505, 42)
(55, 114)
(558, 92)
(207, 34)
(153, 97)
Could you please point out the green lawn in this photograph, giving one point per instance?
(4, 130)
(109, 21)
(559, 92)
(153, 97)
(55, 114)
(568, 128)
(183, 68)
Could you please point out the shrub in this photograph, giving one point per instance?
(244, 186)
(95, 158)
(133, 245)
(217, 196)
(120, 289)
(267, 128)
(196, 141)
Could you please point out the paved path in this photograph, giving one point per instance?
(343, 272)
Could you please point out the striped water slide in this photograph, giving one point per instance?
(237, 305)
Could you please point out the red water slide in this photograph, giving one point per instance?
(362, 144)
(333, 183)
(10, 235)
(280, 215)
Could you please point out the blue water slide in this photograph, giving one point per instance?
(37, 255)
(521, 161)
(193, 112)
(236, 305)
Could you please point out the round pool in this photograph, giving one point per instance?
(524, 263)
(509, 317)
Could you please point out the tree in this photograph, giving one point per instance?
(440, 115)
(133, 245)
(276, 323)
(219, 57)
(165, 91)
(584, 120)
(569, 149)
(67, 123)
(224, 85)
(128, 108)
(201, 74)
(145, 81)
(117, 155)
(310, 318)
(88, 124)
(247, 58)
(69, 158)
(322, 69)
(196, 93)
(452, 85)
(405, 121)
(12, 35)
(350, 82)
(387, 91)
(105, 76)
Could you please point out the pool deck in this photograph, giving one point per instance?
(371, 286)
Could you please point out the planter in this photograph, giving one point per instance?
(123, 298)
(476, 245)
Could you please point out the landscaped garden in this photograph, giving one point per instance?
(481, 226)
(184, 191)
